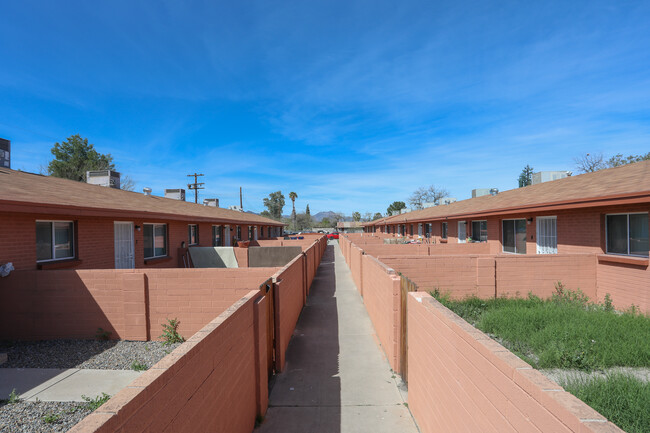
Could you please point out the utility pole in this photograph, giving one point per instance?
(196, 186)
(241, 202)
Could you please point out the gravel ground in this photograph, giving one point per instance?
(103, 355)
(28, 416)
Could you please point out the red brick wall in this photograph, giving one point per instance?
(213, 382)
(381, 296)
(461, 380)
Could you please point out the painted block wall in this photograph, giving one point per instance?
(461, 380)
(210, 383)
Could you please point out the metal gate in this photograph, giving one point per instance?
(406, 286)
(124, 254)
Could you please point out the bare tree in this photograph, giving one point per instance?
(590, 162)
(127, 183)
(430, 194)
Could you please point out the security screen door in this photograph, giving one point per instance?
(124, 256)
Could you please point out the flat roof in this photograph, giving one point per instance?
(626, 184)
(35, 193)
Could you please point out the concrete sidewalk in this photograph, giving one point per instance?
(336, 379)
(55, 384)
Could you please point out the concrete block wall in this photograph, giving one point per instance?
(131, 304)
(461, 380)
(627, 283)
(381, 297)
(213, 382)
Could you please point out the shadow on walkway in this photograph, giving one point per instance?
(336, 378)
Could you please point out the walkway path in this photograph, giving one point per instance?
(336, 379)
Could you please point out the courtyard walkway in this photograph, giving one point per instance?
(336, 379)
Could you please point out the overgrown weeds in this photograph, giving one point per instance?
(621, 398)
(93, 403)
(565, 331)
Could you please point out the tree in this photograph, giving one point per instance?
(377, 216)
(618, 159)
(526, 176)
(266, 214)
(303, 221)
(307, 211)
(356, 216)
(274, 203)
(366, 217)
(336, 217)
(588, 163)
(293, 196)
(74, 157)
(325, 222)
(127, 183)
(430, 194)
(396, 207)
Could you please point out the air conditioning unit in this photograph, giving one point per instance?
(213, 202)
(5, 148)
(175, 194)
(107, 178)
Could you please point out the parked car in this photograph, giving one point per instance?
(334, 235)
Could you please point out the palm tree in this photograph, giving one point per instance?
(293, 196)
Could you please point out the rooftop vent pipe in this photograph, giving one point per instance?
(147, 191)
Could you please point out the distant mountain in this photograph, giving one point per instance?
(329, 215)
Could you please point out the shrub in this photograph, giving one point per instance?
(94, 403)
(170, 333)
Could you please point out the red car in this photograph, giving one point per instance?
(334, 235)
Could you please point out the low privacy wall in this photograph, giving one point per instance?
(259, 257)
(461, 380)
(627, 283)
(216, 381)
(290, 296)
(131, 304)
(381, 297)
(490, 276)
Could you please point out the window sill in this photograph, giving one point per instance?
(154, 260)
(635, 261)
(58, 264)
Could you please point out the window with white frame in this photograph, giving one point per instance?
(250, 233)
(155, 240)
(54, 240)
(547, 235)
(514, 236)
(444, 231)
(627, 234)
(479, 231)
(239, 233)
(193, 234)
(462, 232)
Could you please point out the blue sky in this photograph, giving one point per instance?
(351, 104)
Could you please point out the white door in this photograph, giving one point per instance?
(124, 256)
(462, 232)
(547, 235)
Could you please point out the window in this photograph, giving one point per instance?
(261, 231)
(420, 229)
(217, 236)
(54, 240)
(444, 231)
(514, 236)
(547, 235)
(479, 231)
(193, 234)
(427, 230)
(462, 232)
(155, 240)
(411, 230)
(239, 233)
(250, 233)
(627, 234)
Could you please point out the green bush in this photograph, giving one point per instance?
(170, 333)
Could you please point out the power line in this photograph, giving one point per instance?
(196, 186)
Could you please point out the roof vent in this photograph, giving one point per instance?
(146, 191)
(108, 178)
(494, 191)
(176, 194)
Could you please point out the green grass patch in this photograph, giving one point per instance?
(621, 398)
(566, 331)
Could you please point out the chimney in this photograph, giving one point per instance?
(107, 178)
(213, 202)
(5, 148)
(176, 194)
(494, 191)
(146, 191)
